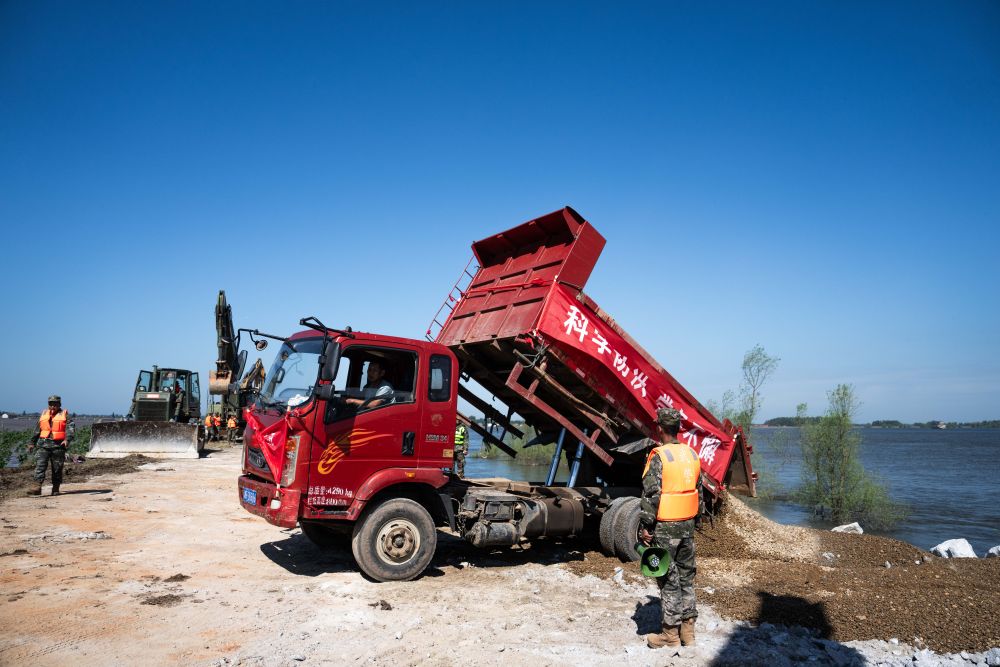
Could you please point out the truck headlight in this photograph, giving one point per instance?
(291, 460)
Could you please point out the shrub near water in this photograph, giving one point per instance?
(13, 442)
(834, 483)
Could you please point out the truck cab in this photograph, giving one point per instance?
(379, 425)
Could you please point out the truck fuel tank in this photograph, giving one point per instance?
(493, 518)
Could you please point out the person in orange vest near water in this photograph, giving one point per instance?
(52, 436)
(669, 511)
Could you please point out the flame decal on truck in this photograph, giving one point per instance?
(342, 444)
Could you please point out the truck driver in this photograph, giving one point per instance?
(377, 391)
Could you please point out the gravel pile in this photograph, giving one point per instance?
(837, 585)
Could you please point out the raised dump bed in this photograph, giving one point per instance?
(523, 328)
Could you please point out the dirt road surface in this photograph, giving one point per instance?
(162, 566)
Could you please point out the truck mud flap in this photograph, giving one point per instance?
(167, 440)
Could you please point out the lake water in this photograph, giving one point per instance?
(949, 479)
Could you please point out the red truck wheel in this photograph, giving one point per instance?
(395, 541)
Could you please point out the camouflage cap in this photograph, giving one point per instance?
(55, 399)
(668, 417)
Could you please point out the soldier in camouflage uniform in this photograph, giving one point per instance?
(461, 447)
(53, 436)
(677, 600)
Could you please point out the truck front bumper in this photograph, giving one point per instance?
(276, 506)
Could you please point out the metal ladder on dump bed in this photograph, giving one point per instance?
(458, 290)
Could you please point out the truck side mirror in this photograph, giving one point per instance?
(330, 361)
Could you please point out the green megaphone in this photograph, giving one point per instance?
(655, 561)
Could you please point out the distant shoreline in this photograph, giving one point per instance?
(885, 423)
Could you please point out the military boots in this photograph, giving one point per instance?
(670, 637)
(55, 490)
(34, 491)
(687, 632)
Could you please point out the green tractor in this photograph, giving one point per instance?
(164, 420)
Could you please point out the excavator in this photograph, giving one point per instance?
(225, 380)
(164, 420)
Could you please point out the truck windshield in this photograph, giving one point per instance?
(293, 373)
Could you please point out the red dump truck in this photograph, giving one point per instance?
(352, 435)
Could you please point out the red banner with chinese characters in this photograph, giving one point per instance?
(270, 440)
(571, 322)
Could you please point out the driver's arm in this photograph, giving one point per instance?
(353, 397)
(381, 396)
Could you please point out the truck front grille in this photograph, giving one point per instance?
(256, 459)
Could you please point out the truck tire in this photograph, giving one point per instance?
(325, 537)
(395, 540)
(606, 530)
(626, 528)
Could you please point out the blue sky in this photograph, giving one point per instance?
(819, 178)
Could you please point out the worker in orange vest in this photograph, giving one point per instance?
(52, 436)
(210, 428)
(217, 426)
(669, 510)
(231, 427)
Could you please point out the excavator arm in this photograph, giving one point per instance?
(226, 365)
(225, 379)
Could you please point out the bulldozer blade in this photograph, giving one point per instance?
(167, 440)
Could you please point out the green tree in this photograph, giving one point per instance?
(743, 409)
(724, 408)
(758, 366)
(834, 483)
(801, 414)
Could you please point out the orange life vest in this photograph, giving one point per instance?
(678, 483)
(231, 423)
(216, 420)
(208, 420)
(53, 427)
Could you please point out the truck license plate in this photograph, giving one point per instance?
(249, 496)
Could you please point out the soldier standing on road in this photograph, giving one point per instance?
(52, 436)
(461, 447)
(670, 506)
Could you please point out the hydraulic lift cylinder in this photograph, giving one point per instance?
(574, 468)
(555, 459)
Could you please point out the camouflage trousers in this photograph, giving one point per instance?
(49, 453)
(677, 601)
(460, 462)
